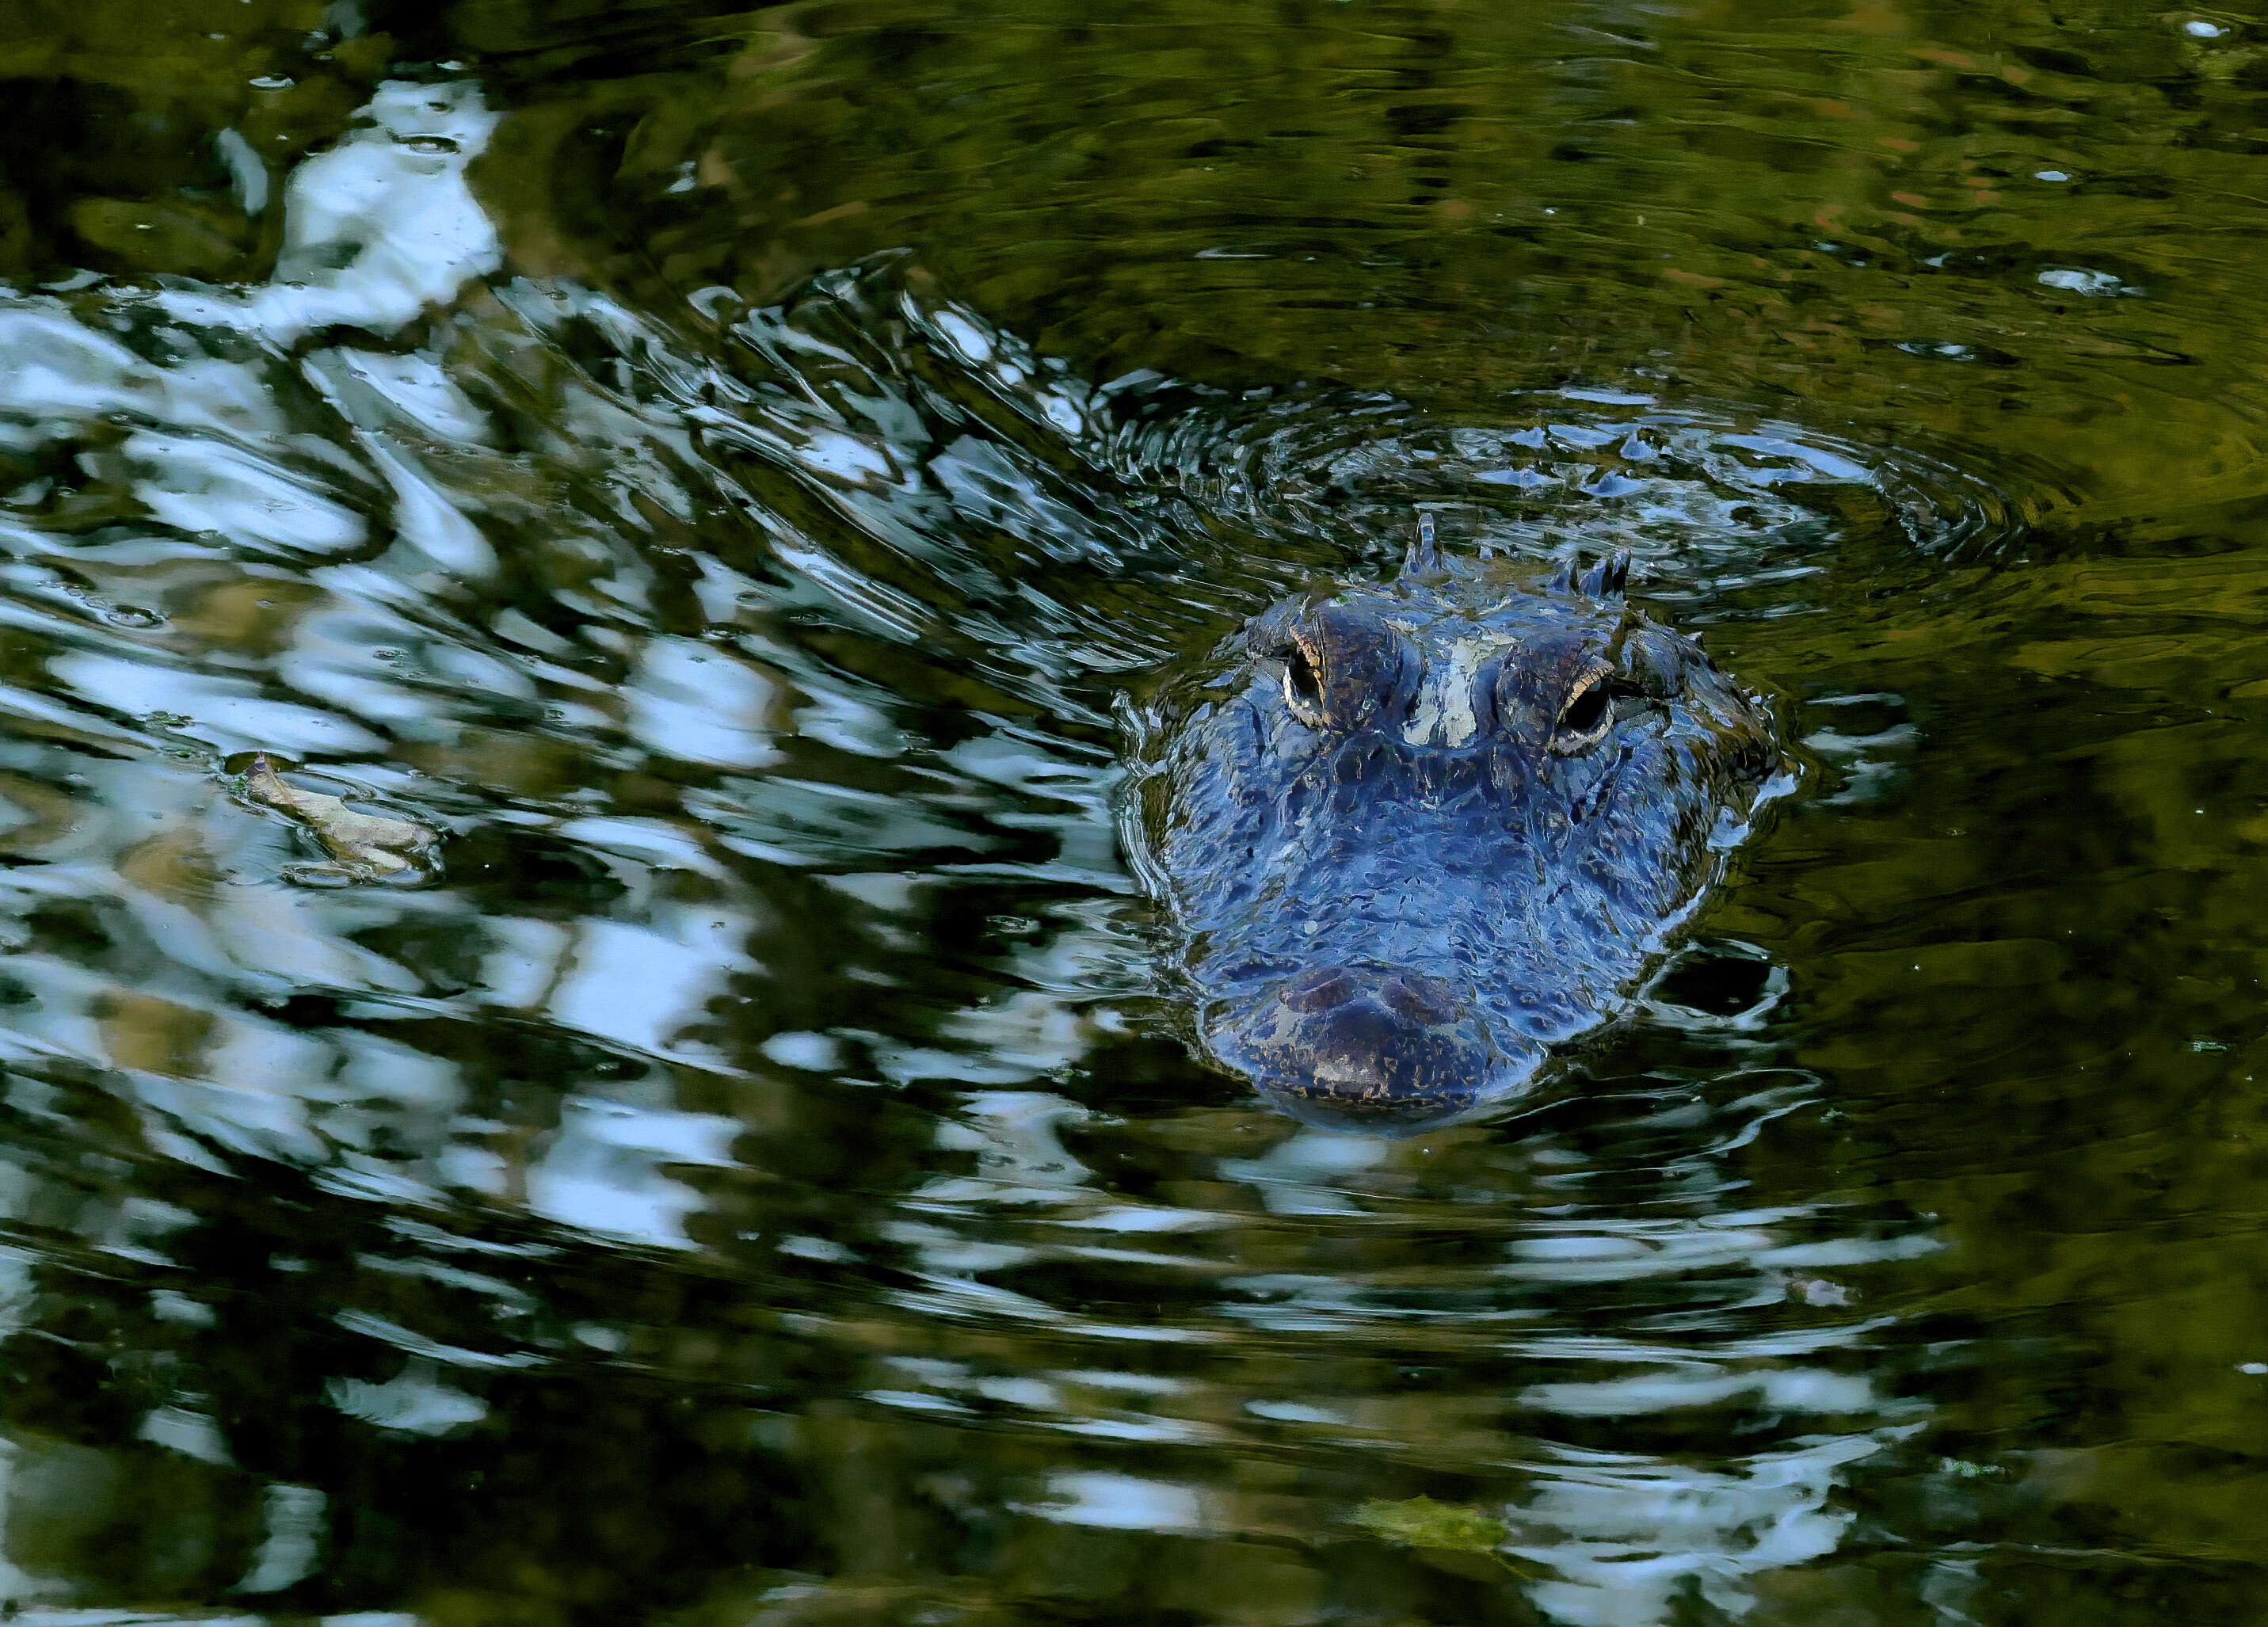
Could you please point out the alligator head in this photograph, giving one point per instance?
(1412, 835)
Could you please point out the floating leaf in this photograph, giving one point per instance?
(1421, 1522)
(365, 846)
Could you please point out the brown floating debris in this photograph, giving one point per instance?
(365, 846)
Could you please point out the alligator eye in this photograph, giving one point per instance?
(1303, 687)
(1584, 719)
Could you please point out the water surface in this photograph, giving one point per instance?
(728, 476)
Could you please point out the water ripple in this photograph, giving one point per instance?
(754, 671)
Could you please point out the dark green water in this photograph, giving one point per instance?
(721, 472)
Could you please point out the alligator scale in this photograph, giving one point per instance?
(1414, 834)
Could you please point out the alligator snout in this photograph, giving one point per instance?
(1369, 1047)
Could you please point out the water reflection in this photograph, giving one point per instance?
(763, 1119)
(1535, 1346)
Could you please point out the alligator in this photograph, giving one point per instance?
(1416, 836)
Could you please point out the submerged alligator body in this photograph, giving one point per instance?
(1414, 834)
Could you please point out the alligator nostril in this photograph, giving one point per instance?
(1369, 1047)
(1319, 990)
(1410, 996)
(1420, 1000)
